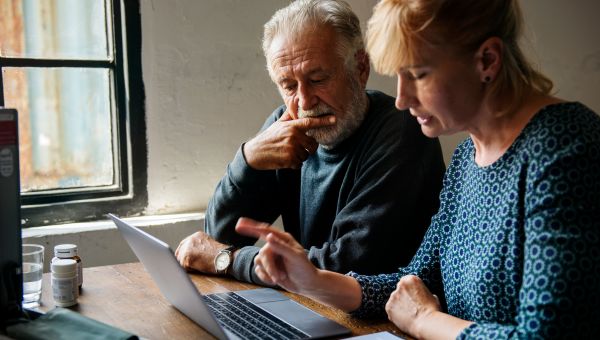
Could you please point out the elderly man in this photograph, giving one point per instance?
(353, 179)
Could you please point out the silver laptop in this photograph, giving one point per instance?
(262, 313)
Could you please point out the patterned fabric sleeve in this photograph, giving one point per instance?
(559, 297)
(376, 290)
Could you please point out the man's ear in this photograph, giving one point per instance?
(363, 66)
(489, 59)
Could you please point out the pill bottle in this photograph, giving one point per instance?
(64, 282)
(69, 251)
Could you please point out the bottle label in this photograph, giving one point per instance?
(79, 269)
(65, 289)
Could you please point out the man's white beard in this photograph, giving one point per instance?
(330, 136)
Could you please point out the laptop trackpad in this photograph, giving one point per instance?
(262, 295)
(292, 312)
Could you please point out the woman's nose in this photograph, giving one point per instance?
(404, 98)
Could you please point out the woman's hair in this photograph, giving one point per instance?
(398, 28)
(309, 16)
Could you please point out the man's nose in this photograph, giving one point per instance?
(306, 98)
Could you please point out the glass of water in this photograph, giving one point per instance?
(33, 265)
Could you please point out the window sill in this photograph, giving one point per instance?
(100, 243)
(141, 221)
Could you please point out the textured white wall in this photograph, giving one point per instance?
(207, 90)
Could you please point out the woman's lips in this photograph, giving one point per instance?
(423, 119)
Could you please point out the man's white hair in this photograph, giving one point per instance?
(302, 16)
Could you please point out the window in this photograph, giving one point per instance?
(72, 69)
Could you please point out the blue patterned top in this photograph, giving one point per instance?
(515, 246)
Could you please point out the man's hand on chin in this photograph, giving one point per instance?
(198, 252)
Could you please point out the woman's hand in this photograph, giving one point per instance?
(411, 304)
(282, 260)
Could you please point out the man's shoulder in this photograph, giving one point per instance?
(381, 100)
(383, 106)
(274, 116)
(384, 116)
(279, 111)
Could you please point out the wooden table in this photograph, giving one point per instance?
(125, 296)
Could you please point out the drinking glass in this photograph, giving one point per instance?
(33, 265)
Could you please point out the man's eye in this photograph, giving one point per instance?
(317, 81)
(289, 88)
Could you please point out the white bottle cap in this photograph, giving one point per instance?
(64, 266)
(65, 250)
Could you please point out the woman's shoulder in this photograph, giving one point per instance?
(563, 118)
(562, 138)
(562, 126)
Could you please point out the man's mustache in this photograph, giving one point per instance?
(320, 110)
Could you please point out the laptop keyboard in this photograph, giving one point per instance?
(247, 320)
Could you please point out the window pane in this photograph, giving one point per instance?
(65, 126)
(55, 29)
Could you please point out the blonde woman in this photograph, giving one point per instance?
(514, 250)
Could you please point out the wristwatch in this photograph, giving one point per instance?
(224, 260)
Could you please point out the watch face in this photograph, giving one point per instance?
(222, 261)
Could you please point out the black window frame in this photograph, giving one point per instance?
(129, 197)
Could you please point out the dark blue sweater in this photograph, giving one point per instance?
(351, 207)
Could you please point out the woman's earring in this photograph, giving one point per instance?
(487, 79)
